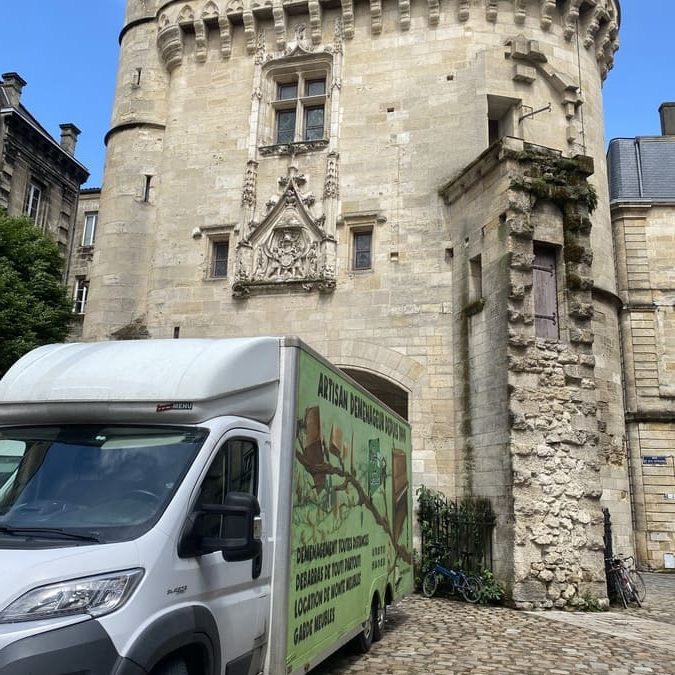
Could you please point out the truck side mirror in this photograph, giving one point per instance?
(230, 527)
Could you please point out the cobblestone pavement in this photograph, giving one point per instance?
(445, 637)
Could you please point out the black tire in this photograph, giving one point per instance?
(362, 642)
(621, 587)
(470, 589)
(380, 618)
(172, 667)
(638, 584)
(631, 591)
(430, 584)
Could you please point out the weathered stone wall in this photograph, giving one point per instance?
(554, 412)
(529, 406)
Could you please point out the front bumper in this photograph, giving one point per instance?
(79, 649)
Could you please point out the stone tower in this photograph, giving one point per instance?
(419, 191)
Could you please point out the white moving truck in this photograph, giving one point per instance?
(195, 507)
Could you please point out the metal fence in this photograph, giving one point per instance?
(457, 532)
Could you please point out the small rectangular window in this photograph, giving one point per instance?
(475, 278)
(315, 87)
(545, 292)
(80, 296)
(288, 90)
(89, 233)
(313, 123)
(363, 242)
(32, 204)
(285, 126)
(146, 188)
(220, 253)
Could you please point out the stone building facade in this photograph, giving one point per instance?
(81, 256)
(419, 191)
(642, 193)
(39, 177)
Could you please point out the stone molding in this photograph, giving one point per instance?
(289, 250)
(598, 26)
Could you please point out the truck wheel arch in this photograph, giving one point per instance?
(185, 627)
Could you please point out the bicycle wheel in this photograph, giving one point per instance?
(469, 589)
(632, 591)
(638, 584)
(626, 587)
(619, 585)
(430, 583)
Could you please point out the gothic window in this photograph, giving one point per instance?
(544, 289)
(300, 107)
(80, 295)
(89, 233)
(362, 247)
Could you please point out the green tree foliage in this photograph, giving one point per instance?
(34, 305)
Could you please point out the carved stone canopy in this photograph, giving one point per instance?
(288, 250)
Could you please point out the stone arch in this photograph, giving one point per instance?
(395, 396)
(374, 364)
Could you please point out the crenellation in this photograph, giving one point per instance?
(348, 18)
(434, 7)
(600, 31)
(376, 16)
(249, 29)
(280, 27)
(404, 14)
(520, 11)
(571, 18)
(546, 15)
(225, 33)
(491, 10)
(314, 9)
(200, 41)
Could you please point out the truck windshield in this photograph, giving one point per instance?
(89, 483)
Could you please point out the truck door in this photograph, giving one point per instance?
(237, 593)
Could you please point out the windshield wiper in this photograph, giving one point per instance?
(48, 533)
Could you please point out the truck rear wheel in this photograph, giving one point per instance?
(364, 639)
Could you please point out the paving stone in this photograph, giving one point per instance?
(445, 637)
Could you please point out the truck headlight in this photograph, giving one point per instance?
(95, 596)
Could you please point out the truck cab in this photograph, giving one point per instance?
(135, 534)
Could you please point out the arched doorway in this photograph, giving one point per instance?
(388, 392)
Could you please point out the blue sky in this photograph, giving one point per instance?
(67, 53)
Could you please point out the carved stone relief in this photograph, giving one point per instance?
(288, 250)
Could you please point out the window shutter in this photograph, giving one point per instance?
(545, 293)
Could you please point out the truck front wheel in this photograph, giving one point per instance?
(172, 667)
(378, 625)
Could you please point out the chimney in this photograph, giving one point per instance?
(13, 84)
(69, 134)
(667, 112)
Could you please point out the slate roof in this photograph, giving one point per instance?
(642, 168)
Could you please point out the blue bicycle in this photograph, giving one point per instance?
(467, 586)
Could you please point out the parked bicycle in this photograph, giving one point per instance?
(466, 585)
(628, 582)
